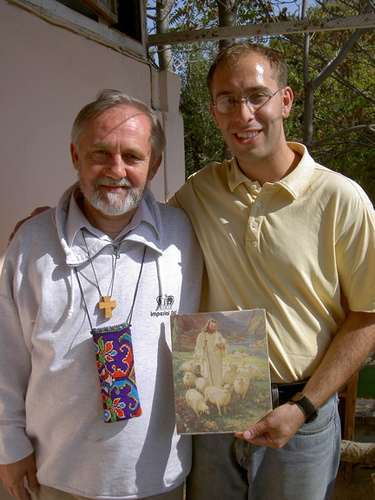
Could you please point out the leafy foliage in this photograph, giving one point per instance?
(343, 112)
(343, 124)
(203, 142)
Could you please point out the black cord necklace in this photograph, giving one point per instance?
(105, 301)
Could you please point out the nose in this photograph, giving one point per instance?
(244, 108)
(116, 167)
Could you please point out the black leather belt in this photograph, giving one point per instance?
(282, 393)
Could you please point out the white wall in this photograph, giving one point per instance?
(47, 74)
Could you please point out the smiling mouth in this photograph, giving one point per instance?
(247, 135)
(109, 184)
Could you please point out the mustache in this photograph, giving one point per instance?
(107, 181)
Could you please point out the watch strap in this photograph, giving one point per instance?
(306, 406)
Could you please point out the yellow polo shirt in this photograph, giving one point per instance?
(302, 248)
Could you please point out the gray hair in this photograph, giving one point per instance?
(107, 99)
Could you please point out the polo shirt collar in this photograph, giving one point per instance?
(294, 183)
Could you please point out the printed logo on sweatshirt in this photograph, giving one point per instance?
(164, 304)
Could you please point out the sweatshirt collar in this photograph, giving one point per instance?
(144, 228)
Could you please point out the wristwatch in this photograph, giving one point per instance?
(306, 406)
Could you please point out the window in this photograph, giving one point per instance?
(120, 24)
(104, 8)
(130, 19)
(124, 16)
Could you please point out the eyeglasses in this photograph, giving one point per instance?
(228, 104)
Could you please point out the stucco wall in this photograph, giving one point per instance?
(47, 74)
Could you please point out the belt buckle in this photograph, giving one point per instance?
(275, 395)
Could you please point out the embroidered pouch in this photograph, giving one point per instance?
(115, 364)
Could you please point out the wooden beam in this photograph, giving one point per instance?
(263, 29)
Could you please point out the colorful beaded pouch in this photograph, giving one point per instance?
(115, 364)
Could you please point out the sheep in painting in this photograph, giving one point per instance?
(253, 372)
(241, 386)
(195, 400)
(218, 396)
(188, 366)
(189, 380)
(201, 383)
(230, 375)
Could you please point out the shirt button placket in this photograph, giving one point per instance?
(254, 225)
(254, 222)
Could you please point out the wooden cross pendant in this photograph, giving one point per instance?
(107, 304)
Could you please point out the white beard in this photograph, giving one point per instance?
(112, 204)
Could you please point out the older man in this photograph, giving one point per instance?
(86, 375)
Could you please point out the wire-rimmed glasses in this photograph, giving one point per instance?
(228, 103)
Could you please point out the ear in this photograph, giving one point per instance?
(287, 101)
(74, 156)
(213, 113)
(154, 169)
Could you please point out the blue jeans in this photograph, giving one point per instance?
(225, 468)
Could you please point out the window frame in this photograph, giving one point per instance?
(107, 9)
(60, 15)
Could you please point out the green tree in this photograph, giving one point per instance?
(332, 75)
(203, 142)
(335, 100)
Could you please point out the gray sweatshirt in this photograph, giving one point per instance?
(50, 400)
